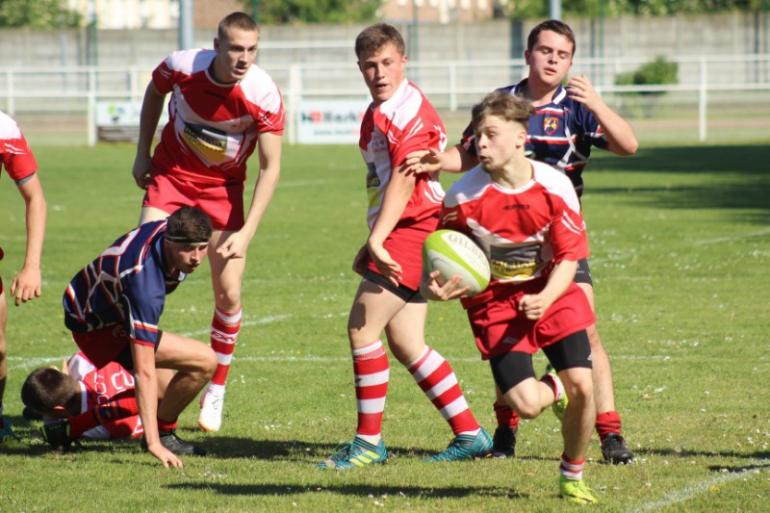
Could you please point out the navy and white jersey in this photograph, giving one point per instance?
(560, 134)
(126, 285)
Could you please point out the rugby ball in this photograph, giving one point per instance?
(453, 253)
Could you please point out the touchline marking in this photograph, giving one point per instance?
(253, 322)
(733, 237)
(688, 492)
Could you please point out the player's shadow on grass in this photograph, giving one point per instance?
(447, 492)
(291, 450)
(689, 453)
(743, 181)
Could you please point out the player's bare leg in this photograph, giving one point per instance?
(148, 214)
(529, 397)
(194, 363)
(608, 423)
(435, 376)
(226, 280)
(576, 432)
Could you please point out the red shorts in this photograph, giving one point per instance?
(499, 327)
(102, 346)
(405, 247)
(223, 203)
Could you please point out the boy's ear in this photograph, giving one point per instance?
(59, 409)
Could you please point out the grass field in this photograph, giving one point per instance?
(681, 246)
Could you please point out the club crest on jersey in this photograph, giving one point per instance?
(550, 125)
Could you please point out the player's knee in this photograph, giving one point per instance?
(229, 300)
(209, 363)
(580, 390)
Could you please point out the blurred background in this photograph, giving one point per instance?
(681, 71)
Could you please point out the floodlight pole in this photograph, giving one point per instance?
(554, 9)
(185, 24)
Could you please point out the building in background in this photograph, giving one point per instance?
(437, 11)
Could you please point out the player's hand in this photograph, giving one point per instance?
(27, 285)
(141, 171)
(422, 161)
(57, 433)
(432, 288)
(235, 246)
(533, 306)
(168, 458)
(580, 89)
(359, 262)
(388, 267)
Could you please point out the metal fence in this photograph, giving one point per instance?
(716, 98)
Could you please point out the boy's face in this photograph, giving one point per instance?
(550, 58)
(187, 257)
(383, 71)
(236, 52)
(498, 140)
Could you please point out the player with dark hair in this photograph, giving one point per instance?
(402, 211)
(20, 164)
(566, 124)
(81, 401)
(526, 218)
(222, 107)
(113, 306)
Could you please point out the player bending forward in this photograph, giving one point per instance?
(526, 217)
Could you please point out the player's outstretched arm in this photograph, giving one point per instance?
(152, 107)
(147, 399)
(237, 243)
(454, 160)
(27, 284)
(620, 136)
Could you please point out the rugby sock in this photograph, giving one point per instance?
(607, 423)
(165, 426)
(571, 469)
(372, 373)
(506, 416)
(224, 334)
(437, 379)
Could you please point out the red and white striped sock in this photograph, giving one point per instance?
(224, 335)
(571, 469)
(437, 379)
(372, 373)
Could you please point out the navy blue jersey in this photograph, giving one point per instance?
(560, 134)
(126, 285)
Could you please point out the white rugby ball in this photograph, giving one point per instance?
(452, 253)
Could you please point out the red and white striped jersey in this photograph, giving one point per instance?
(404, 123)
(212, 127)
(524, 231)
(99, 386)
(16, 156)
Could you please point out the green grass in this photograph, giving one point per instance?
(681, 246)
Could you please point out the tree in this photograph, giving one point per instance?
(531, 9)
(37, 14)
(314, 11)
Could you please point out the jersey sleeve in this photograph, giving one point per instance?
(144, 298)
(589, 128)
(272, 117)
(468, 140)
(421, 133)
(17, 158)
(568, 235)
(163, 76)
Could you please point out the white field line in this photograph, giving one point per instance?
(704, 242)
(688, 492)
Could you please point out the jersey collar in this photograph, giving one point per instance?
(558, 96)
